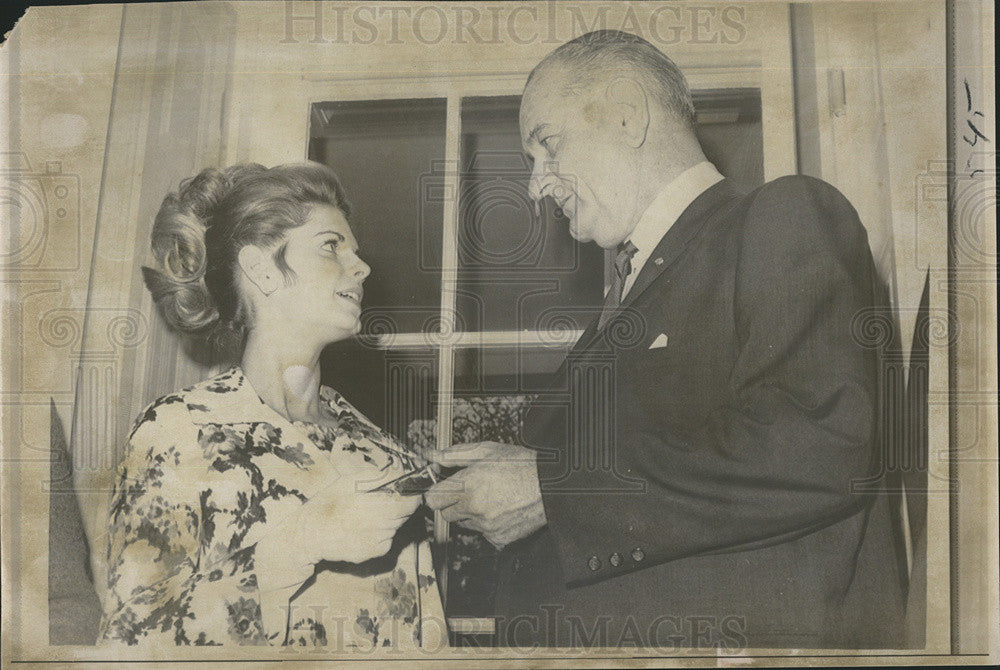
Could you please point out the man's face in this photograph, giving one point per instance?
(579, 159)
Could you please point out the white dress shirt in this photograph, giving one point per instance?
(664, 211)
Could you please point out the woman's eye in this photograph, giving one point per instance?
(548, 143)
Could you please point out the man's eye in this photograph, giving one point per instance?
(332, 245)
(551, 144)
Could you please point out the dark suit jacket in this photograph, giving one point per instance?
(707, 492)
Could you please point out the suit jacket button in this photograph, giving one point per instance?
(638, 554)
(616, 559)
(594, 563)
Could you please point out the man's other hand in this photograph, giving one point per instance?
(496, 492)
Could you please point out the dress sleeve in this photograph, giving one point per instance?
(153, 539)
(181, 567)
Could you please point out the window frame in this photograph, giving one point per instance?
(743, 70)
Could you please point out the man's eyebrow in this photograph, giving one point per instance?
(330, 232)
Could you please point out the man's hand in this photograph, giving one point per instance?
(497, 493)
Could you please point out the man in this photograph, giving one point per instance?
(702, 484)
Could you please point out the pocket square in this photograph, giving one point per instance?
(659, 342)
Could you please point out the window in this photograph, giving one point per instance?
(513, 276)
(473, 293)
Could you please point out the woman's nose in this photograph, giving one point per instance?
(362, 270)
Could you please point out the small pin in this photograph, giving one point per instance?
(658, 260)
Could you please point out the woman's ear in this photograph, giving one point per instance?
(259, 268)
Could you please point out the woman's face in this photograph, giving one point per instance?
(325, 293)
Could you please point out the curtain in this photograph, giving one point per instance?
(167, 121)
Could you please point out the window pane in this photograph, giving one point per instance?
(515, 267)
(397, 390)
(505, 370)
(383, 150)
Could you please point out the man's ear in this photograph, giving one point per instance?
(259, 268)
(630, 109)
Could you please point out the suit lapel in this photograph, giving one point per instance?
(585, 339)
(676, 240)
(670, 248)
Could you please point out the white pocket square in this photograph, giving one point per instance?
(659, 342)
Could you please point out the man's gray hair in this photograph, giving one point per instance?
(598, 54)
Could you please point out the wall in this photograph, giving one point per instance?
(58, 72)
(291, 54)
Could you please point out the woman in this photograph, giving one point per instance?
(243, 511)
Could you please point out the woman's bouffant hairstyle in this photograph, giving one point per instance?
(200, 229)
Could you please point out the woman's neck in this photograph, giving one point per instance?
(284, 375)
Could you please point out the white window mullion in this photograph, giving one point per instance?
(449, 282)
(560, 339)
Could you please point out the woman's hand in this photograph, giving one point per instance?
(341, 521)
(357, 525)
(345, 521)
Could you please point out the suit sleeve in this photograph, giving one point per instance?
(777, 456)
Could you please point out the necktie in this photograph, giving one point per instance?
(623, 268)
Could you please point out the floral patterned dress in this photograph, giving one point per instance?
(210, 472)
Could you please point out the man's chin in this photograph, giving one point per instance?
(578, 234)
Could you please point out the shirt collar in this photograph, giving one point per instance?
(666, 208)
(229, 398)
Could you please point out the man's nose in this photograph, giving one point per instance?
(540, 179)
(534, 187)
